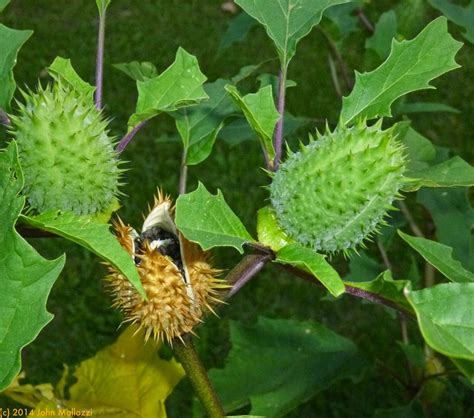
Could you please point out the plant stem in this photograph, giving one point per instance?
(340, 60)
(411, 220)
(243, 272)
(365, 21)
(278, 138)
(99, 72)
(189, 359)
(335, 80)
(127, 138)
(183, 175)
(354, 291)
(4, 119)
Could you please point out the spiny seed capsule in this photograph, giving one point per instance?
(67, 156)
(177, 277)
(335, 192)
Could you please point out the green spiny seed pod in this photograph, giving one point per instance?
(333, 194)
(68, 158)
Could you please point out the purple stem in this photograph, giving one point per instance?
(4, 119)
(127, 138)
(245, 270)
(252, 270)
(99, 73)
(278, 139)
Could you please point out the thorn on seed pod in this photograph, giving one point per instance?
(180, 283)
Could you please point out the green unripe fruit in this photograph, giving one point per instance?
(334, 193)
(67, 156)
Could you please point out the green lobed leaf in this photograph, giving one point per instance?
(261, 114)
(26, 278)
(385, 31)
(11, 40)
(63, 70)
(91, 234)
(277, 364)
(178, 86)
(454, 172)
(462, 16)
(138, 71)
(102, 5)
(453, 216)
(410, 67)
(3, 4)
(199, 125)
(287, 21)
(307, 259)
(439, 256)
(446, 317)
(385, 286)
(207, 220)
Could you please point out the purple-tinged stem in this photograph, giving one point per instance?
(99, 72)
(127, 138)
(278, 138)
(245, 271)
(4, 119)
(372, 297)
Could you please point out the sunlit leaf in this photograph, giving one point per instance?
(410, 67)
(278, 364)
(307, 259)
(287, 21)
(138, 71)
(26, 278)
(261, 114)
(127, 379)
(11, 41)
(91, 234)
(62, 69)
(446, 317)
(178, 86)
(208, 220)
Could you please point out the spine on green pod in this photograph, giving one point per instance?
(335, 192)
(65, 150)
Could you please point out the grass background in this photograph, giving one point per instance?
(152, 30)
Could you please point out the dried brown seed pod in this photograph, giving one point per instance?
(178, 279)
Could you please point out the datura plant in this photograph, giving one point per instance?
(330, 215)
